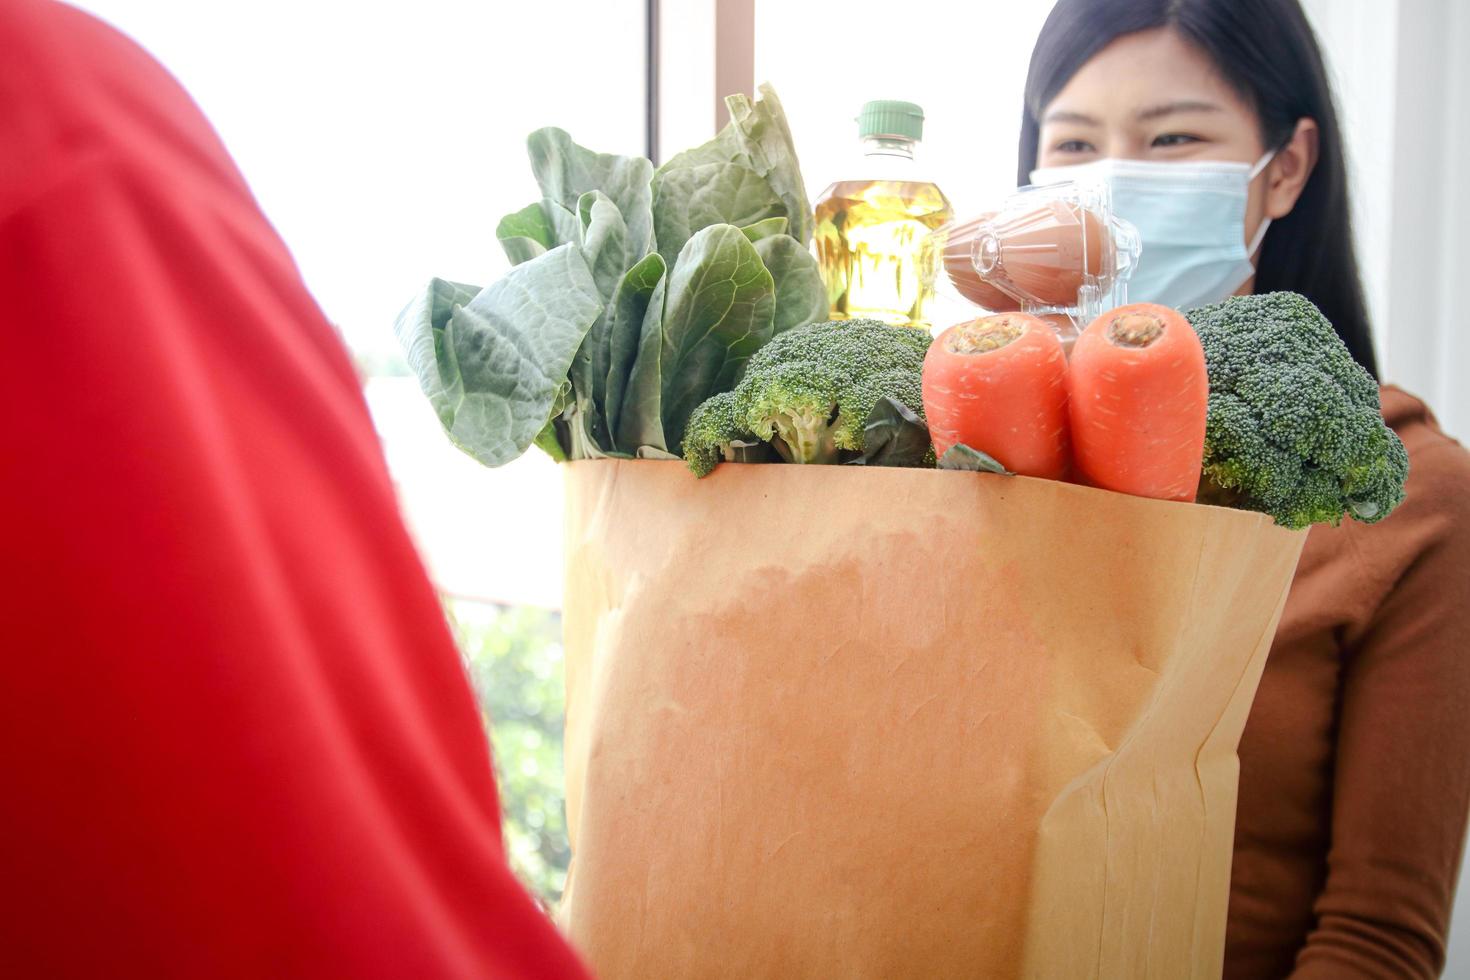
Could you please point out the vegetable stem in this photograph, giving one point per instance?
(984, 335)
(1135, 330)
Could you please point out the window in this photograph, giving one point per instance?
(384, 142)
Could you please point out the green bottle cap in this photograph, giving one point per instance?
(889, 118)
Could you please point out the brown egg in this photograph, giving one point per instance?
(1043, 254)
(960, 267)
(1038, 255)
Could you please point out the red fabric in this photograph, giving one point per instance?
(235, 737)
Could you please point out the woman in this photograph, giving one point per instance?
(1355, 764)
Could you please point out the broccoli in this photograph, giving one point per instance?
(810, 391)
(711, 435)
(1294, 429)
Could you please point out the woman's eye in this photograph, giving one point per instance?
(1074, 146)
(1174, 139)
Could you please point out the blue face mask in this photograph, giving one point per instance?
(1190, 219)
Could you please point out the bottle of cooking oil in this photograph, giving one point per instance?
(875, 237)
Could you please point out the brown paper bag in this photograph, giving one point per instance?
(834, 722)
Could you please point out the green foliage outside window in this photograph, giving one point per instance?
(514, 659)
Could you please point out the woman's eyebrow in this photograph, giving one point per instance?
(1181, 105)
(1067, 116)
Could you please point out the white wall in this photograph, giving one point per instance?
(1428, 234)
(1354, 34)
(1404, 89)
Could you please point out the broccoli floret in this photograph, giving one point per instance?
(711, 431)
(1295, 429)
(809, 392)
(793, 409)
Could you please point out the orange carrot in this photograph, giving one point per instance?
(1139, 395)
(999, 384)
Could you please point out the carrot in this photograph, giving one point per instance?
(1139, 395)
(999, 384)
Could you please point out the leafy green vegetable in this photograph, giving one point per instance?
(800, 296)
(535, 229)
(962, 457)
(548, 440)
(526, 234)
(813, 391)
(663, 282)
(606, 241)
(604, 237)
(566, 171)
(632, 306)
(689, 199)
(641, 422)
(649, 452)
(895, 436)
(420, 331)
(772, 151)
(766, 228)
(1295, 429)
(494, 367)
(758, 138)
(718, 312)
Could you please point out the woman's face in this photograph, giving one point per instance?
(1154, 96)
(1148, 96)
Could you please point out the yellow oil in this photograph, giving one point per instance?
(877, 248)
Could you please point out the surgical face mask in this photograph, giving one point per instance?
(1190, 219)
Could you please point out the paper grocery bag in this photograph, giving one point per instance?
(836, 721)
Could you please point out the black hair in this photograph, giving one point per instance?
(1266, 50)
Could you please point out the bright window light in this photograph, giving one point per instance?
(384, 142)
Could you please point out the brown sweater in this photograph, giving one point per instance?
(1355, 764)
